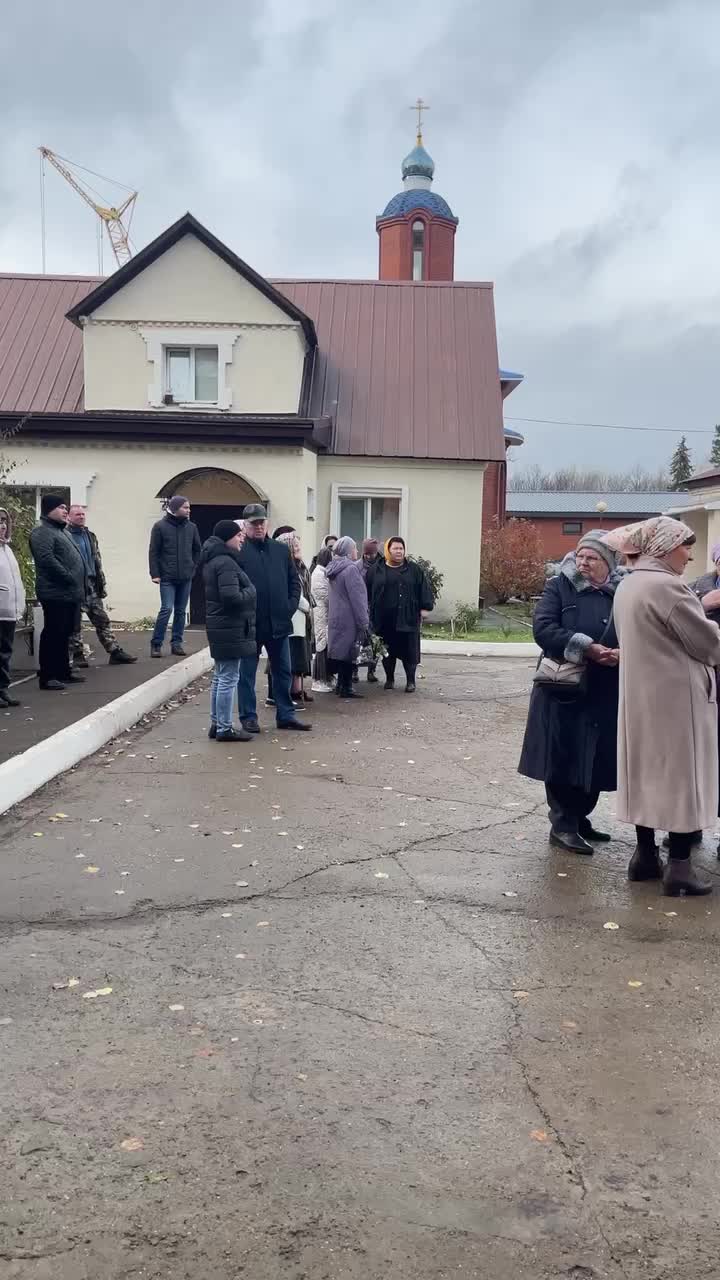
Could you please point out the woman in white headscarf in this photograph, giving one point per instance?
(667, 724)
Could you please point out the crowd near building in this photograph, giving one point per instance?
(366, 407)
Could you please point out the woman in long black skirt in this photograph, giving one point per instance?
(400, 594)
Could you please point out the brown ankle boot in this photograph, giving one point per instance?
(681, 877)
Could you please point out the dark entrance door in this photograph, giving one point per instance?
(205, 517)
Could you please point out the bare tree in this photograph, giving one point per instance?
(534, 479)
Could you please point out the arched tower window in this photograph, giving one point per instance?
(418, 250)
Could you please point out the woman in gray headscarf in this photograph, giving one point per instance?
(571, 735)
(667, 727)
(348, 620)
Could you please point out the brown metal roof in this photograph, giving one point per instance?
(403, 370)
(40, 351)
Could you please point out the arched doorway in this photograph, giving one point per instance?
(214, 494)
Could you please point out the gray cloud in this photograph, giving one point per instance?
(576, 144)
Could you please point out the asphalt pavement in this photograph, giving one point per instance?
(43, 712)
(326, 1007)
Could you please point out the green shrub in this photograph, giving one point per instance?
(434, 576)
(467, 618)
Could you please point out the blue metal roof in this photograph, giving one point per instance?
(418, 163)
(405, 201)
(565, 503)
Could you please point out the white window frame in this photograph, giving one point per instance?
(158, 340)
(192, 348)
(368, 491)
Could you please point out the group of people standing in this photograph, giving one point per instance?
(260, 595)
(629, 700)
(69, 579)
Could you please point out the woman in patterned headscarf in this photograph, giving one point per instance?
(667, 724)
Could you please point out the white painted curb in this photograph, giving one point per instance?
(24, 774)
(480, 649)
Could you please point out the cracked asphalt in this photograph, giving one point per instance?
(326, 1006)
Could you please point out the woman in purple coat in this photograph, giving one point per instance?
(348, 620)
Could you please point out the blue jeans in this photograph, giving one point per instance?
(278, 651)
(222, 692)
(174, 598)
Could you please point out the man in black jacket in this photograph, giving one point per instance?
(270, 568)
(229, 622)
(61, 587)
(174, 553)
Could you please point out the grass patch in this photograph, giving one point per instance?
(494, 635)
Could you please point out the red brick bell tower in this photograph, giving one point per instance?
(417, 227)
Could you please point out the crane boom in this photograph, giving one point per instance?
(111, 216)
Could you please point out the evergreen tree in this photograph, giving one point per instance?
(680, 465)
(715, 451)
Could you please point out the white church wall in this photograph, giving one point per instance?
(440, 513)
(119, 484)
(189, 295)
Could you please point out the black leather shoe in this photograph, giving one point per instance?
(588, 832)
(119, 656)
(156, 651)
(212, 731)
(6, 699)
(570, 842)
(233, 735)
(295, 724)
(178, 650)
(52, 684)
(350, 693)
(410, 686)
(250, 725)
(645, 864)
(372, 678)
(389, 684)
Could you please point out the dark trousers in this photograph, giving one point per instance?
(344, 676)
(681, 842)
(278, 652)
(7, 636)
(390, 663)
(54, 649)
(569, 807)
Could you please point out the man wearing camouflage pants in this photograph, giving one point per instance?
(87, 545)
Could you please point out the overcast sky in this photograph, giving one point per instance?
(577, 142)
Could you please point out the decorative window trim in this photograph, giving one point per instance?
(156, 340)
(338, 491)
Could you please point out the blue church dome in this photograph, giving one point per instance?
(418, 163)
(404, 201)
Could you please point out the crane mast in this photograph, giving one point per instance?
(116, 219)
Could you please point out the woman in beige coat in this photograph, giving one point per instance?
(667, 725)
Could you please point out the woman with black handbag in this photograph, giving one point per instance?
(571, 734)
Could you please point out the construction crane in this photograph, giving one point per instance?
(115, 218)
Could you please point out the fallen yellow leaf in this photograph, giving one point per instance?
(634, 984)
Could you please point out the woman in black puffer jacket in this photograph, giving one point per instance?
(229, 622)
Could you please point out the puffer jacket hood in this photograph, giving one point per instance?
(213, 546)
(338, 565)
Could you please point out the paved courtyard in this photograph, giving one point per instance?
(326, 1007)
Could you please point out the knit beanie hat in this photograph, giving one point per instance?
(594, 542)
(49, 502)
(176, 503)
(225, 530)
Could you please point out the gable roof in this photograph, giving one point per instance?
(402, 369)
(569, 503)
(188, 226)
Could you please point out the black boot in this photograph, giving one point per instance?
(410, 679)
(178, 649)
(389, 667)
(6, 699)
(681, 877)
(588, 832)
(645, 864)
(570, 842)
(120, 657)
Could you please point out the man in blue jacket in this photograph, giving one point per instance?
(270, 568)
